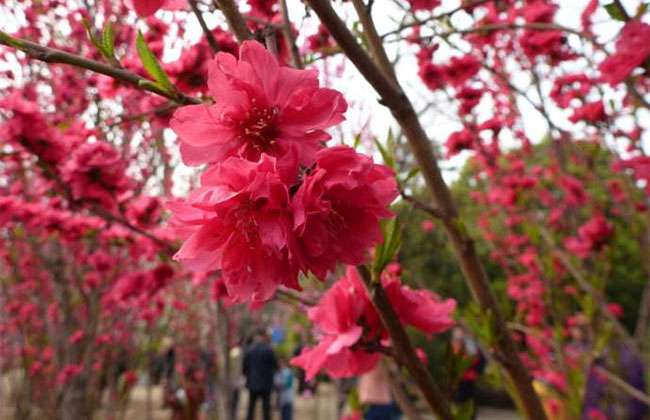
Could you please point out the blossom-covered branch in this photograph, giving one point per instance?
(53, 55)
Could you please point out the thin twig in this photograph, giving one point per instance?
(289, 37)
(208, 33)
(374, 41)
(418, 204)
(292, 295)
(624, 386)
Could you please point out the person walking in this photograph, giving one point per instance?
(375, 394)
(284, 384)
(259, 367)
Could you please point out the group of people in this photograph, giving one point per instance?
(263, 373)
(271, 382)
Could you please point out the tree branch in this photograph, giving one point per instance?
(404, 351)
(208, 33)
(235, 19)
(374, 41)
(624, 386)
(288, 35)
(53, 55)
(395, 99)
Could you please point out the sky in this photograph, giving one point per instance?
(366, 114)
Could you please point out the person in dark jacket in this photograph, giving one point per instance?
(259, 366)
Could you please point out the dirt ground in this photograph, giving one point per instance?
(320, 407)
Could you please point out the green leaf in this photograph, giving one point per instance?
(108, 39)
(615, 12)
(151, 65)
(386, 251)
(357, 141)
(387, 152)
(92, 37)
(412, 173)
(643, 8)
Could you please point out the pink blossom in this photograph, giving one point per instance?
(592, 236)
(67, 373)
(427, 226)
(239, 222)
(350, 326)
(539, 11)
(461, 140)
(146, 8)
(423, 4)
(421, 309)
(76, 337)
(259, 107)
(28, 128)
(263, 9)
(597, 230)
(432, 75)
(591, 112)
(615, 309)
(461, 69)
(321, 40)
(95, 173)
(337, 209)
(632, 49)
(569, 87)
(339, 316)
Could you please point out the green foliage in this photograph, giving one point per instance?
(615, 12)
(385, 252)
(108, 39)
(106, 44)
(151, 65)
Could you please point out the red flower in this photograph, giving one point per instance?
(432, 75)
(351, 326)
(591, 112)
(615, 309)
(263, 9)
(539, 11)
(76, 337)
(337, 209)
(427, 226)
(260, 107)
(147, 7)
(460, 140)
(423, 4)
(28, 128)
(597, 231)
(95, 173)
(339, 316)
(592, 236)
(632, 49)
(461, 69)
(568, 87)
(321, 40)
(421, 309)
(239, 222)
(552, 43)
